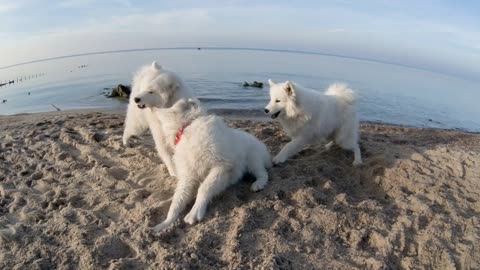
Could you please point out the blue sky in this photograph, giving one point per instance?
(433, 34)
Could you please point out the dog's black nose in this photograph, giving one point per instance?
(266, 110)
(136, 100)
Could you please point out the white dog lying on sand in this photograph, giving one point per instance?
(208, 155)
(307, 116)
(153, 87)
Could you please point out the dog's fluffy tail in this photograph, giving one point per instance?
(342, 91)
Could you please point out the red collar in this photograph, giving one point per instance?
(179, 134)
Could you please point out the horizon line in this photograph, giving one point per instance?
(238, 49)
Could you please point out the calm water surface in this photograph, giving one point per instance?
(387, 93)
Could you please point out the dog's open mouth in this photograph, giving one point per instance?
(141, 106)
(275, 115)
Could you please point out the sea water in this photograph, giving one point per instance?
(387, 92)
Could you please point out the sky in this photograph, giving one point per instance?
(438, 35)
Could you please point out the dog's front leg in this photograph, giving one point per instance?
(182, 196)
(290, 149)
(135, 123)
(166, 157)
(162, 148)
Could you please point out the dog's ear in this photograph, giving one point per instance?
(289, 88)
(271, 82)
(156, 66)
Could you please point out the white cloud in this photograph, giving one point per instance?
(392, 36)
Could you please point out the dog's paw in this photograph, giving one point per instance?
(258, 185)
(193, 216)
(171, 173)
(190, 218)
(357, 163)
(328, 146)
(125, 140)
(161, 227)
(278, 159)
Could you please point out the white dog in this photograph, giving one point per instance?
(307, 116)
(209, 156)
(153, 87)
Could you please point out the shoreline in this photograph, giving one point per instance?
(72, 194)
(227, 114)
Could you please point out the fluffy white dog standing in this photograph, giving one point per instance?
(307, 116)
(153, 87)
(209, 156)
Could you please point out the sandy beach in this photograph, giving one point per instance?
(73, 197)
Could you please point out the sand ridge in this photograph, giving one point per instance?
(72, 197)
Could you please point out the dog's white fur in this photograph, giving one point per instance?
(210, 156)
(153, 87)
(308, 116)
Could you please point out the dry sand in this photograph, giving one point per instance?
(72, 197)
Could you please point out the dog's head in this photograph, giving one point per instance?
(283, 98)
(154, 87)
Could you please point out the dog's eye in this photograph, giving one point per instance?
(150, 92)
(276, 101)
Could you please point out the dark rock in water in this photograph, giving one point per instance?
(123, 90)
(257, 84)
(4, 101)
(254, 84)
(120, 91)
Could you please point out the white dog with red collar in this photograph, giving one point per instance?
(209, 155)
